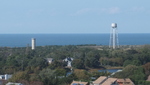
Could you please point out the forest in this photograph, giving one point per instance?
(30, 66)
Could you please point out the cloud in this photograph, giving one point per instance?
(82, 11)
(41, 12)
(138, 9)
(112, 10)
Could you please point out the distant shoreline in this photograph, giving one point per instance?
(60, 33)
(98, 47)
(21, 40)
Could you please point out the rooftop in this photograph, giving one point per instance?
(79, 83)
(100, 80)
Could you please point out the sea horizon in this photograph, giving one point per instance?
(21, 40)
(72, 33)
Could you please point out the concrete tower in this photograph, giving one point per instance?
(113, 36)
(33, 41)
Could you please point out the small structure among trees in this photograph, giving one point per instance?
(69, 61)
(50, 60)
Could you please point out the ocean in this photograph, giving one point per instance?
(21, 40)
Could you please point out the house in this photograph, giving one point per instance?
(103, 80)
(110, 81)
(5, 77)
(79, 83)
(1, 76)
(49, 60)
(11, 83)
(125, 81)
(100, 80)
(68, 60)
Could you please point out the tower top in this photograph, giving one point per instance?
(114, 25)
(33, 38)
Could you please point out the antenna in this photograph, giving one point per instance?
(113, 36)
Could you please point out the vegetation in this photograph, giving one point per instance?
(30, 66)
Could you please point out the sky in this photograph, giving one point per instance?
(73, 16)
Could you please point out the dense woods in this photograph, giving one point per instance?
(28, 66)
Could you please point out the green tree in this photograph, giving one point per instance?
(136, 73)
(48, 77)
(56, 64)
(38, 62)
(81, 75)
(60, 72)
(19, 76)
(147, 68)
(77, 63)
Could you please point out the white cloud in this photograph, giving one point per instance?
(138, 9)
(41, 12)
(82, 11)
(112, 10)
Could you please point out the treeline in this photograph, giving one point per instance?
(30, 65)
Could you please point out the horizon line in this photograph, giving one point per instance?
(72, 33)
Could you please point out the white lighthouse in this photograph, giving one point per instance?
(113, 36)
(33, 42)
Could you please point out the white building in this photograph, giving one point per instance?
(5, 77)
(33, 42)
(69, 61)
(49, 60)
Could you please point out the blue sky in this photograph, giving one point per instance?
(74, 16)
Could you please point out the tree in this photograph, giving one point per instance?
(56, 64)
(81, 74)
(38, 61)
(77, 63)
(19, 76)
(136, 73)
(127, 62)
(147, 68)
(48, 77)
(60, 72)
(92, 59)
